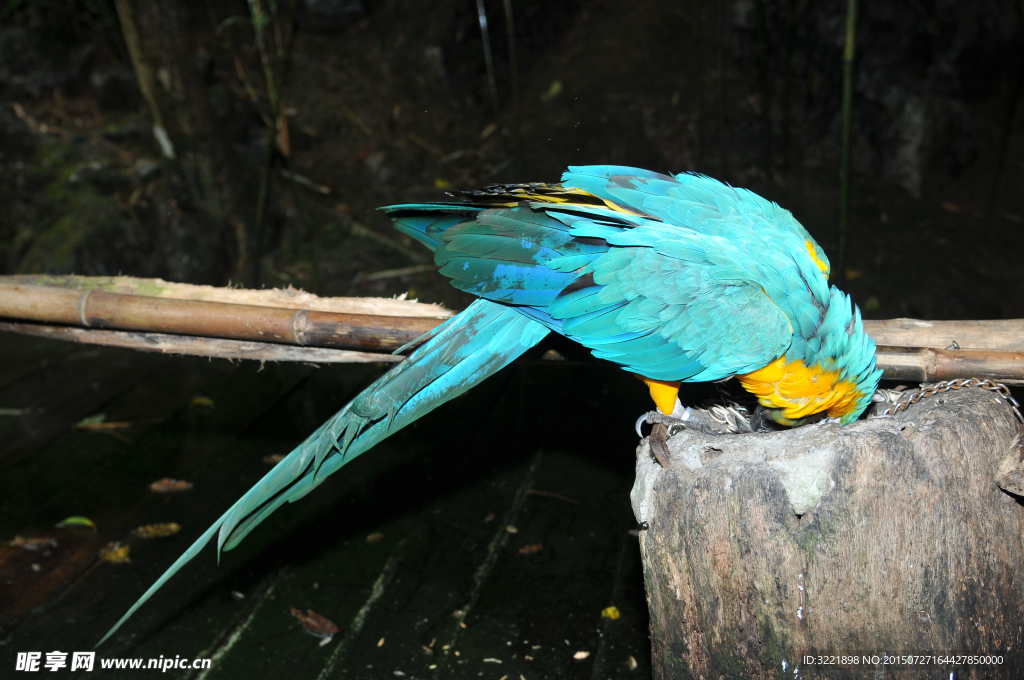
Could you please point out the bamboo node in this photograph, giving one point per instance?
(300, 323)
(83, 301)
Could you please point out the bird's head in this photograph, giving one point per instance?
(831, 372)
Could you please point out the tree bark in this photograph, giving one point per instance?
(889, 535)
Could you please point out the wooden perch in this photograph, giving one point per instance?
(884, 536)
(1002, 334)
(926, 364)
(216, 348)
(289, 298)
(255, 324)
(307, 327)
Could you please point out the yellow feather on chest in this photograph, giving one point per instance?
(801, 390)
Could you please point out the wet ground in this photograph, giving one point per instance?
(484, 541)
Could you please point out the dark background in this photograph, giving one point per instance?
(390, 102)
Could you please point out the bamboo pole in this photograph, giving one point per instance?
(291, 298)
(927, 364)
(1002, 334)
(51, 293)
(241, 324)
(98, 309)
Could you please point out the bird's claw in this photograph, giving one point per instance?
(640, 421)
(659, 435)
(658, 441)
(666, 427)
(688, 420)
(658, 418)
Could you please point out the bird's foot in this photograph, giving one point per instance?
(668, 426)
(687, 420)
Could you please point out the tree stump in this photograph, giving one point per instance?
(886, 536)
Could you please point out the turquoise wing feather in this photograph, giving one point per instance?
(659, 299)
(469, 348)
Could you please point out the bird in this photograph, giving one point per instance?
(676, 278)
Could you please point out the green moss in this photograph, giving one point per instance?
(68, 224)
(812, 534)
(148, 287)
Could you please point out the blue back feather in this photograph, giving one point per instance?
(690, 279)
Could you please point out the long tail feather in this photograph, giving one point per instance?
(469, 348)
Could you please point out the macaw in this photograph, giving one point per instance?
(674, 278)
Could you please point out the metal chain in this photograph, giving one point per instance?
(731, 416)
(930, 390)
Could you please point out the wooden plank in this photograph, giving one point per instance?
(216, 348)
(574, 575)
(339, 655)
(199, 445)
(918, 364)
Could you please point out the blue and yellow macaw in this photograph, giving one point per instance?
(677, 279)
